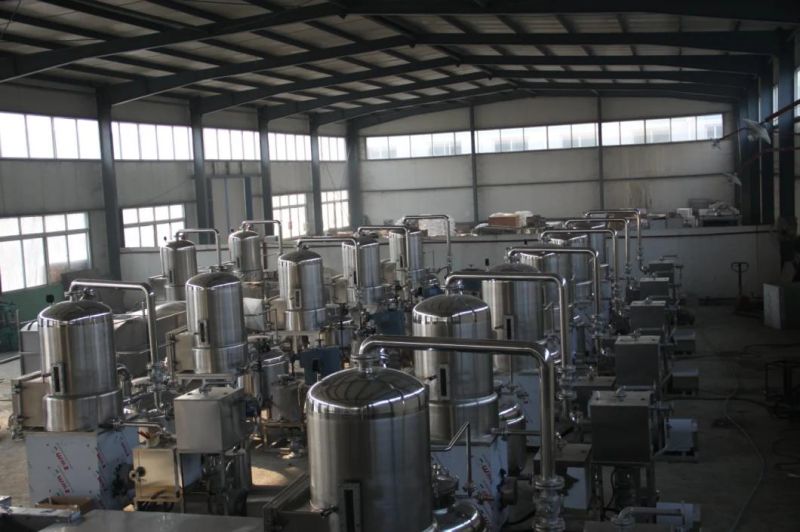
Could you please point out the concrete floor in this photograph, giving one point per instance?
(728, 466)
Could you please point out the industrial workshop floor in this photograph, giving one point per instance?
(743, 445)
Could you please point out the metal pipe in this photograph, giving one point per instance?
(638, 215)
(559, 281)
(611, 232)
(183, 232)
(248, 224)
(149, 301)
(444, 217)
(331, 239)
(626, 221)
(402, 228)
(464, 430)
(491, 347)
(594, 258)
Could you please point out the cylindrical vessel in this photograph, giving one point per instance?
(369, 451)
(178, 264)
(273, 364)
(368, 285)
(410, 262)
(517, 313)
(215, 318)
(301, 285)
(461, 384)
(245, 249)
(77, 346)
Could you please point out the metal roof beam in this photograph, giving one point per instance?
(712, 78)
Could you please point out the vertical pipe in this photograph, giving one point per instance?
(205, 213)
(109, 177)
(767, 155)
(354, 198)
(600, 165)
(474, 163)
(265, 167)
(788, 222)
(316, 190)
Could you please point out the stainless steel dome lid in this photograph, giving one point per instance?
(178, 244)
(363, 240)
(243, 234)
(211, 280)
(299, 256)
(74, 312)
(377, 392)
(512, 268)
(450, 306)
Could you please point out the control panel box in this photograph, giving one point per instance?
(209, 420)
(623, 427)
(638, 361)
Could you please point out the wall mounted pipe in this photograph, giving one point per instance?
(248, 224)
(636, 214)
(569, 224)
(548, 484)
(183, 232)
(409, 217)
(593, 257)
(610, 232)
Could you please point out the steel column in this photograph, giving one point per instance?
(265, 168)
(473, 159)
(316, 190)
(109, 179)
(600, 166)
(355, 200)
(767, 161)
(788, 222)
(205, 211)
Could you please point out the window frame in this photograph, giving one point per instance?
(154, 223)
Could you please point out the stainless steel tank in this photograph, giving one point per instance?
(77, 346)
(369, 284)
(369, 451)
(215, 319)
(273, 364)
(245, 250)
(178, 264)
(411, 261)
(301, 286)
(461, 384)
(517, 313)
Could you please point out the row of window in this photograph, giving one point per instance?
(556, 137)
(27, 136)
(36, 250)
(147, 227)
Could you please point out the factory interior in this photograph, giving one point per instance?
(399, 266)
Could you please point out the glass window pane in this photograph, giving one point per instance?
(584, 135)
(341, 149)
(237, 145)
(300, 149)
(378, 148)
(146, 214)
(129, 216)
(162, 212)
(31, 225)
(224, 144)
(148, 142)
(163, 233)
(489, 141)
(116, 140)
(324, 149)
(559, 137)
(88, 139)
(174, 227)
(631, 132)
(535, 138)
(210, 143)
(129, 140)
(54, 223)
(12, 135)
(512, 139)
(249, 139)
(40, 137)
(709, 127)
(35, 267)
(683, 129)
(420, 145)
(66, 133)
(307, 142)
(272, 148)
(183, 143)
(280, 147)
(399, 147)
(291, 153)
(76, 220)
(131, 237)
(610, 133)
(11, 266)
(166, 147)
(57, 251)
(9, 226)
(78, 245)
(443, 144)
(147, 236)
(657, 130)
(175, 211)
